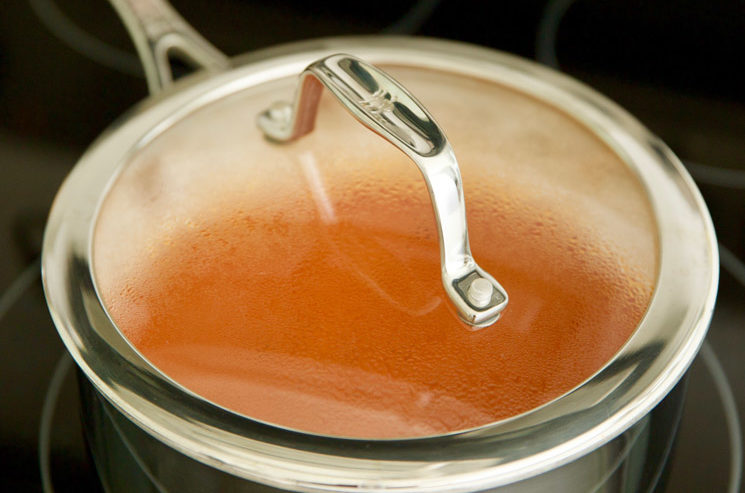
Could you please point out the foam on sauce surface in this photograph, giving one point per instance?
(300, 284)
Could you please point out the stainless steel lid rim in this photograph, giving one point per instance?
(484, 457)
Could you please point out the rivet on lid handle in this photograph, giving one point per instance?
(385, 107)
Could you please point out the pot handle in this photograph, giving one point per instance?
(159, 32)
(385, 107)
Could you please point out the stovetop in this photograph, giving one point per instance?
(68, 71)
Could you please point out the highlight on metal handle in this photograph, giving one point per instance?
(159, 32)
(385, 107)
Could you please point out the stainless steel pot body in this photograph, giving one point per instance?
(141, 424)
(127, 458)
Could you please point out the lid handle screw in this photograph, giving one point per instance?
(479, 292)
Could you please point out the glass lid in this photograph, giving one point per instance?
(299, 284)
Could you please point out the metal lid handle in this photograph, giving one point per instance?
(385, 107)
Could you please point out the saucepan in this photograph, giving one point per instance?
(261, 294)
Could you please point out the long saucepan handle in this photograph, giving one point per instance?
(159, 32)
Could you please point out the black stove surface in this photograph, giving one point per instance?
(68, 70)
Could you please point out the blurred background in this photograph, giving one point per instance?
(68, 70)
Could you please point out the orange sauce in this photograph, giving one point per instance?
(341, 327)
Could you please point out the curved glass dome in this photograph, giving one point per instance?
(299, 284)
